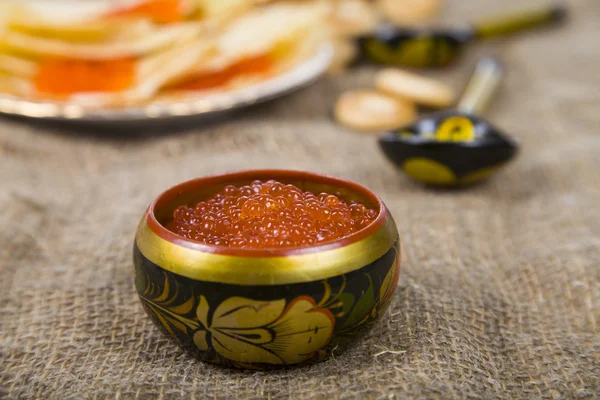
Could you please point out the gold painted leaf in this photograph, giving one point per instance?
(176, 324)
(240, 312)
(252, 335)
(302, 330)
(252, 331)
(429, 171)
(242, 351)
(326, 294)
(363, 306)
(164, 323)
(185, 307)
(200, 340)
(347, 302)
(202, 311)
(165, 293)
(387, 286)
(479, 175)
(174, 297)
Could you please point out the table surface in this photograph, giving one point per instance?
(499, 293)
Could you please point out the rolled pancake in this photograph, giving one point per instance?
(219, 10)
(32, 46)
(17, 67)
(152, 74)
(77, 28)
(72, 22)
(286, 33)
(171, 11)
(164, 75)
(26, 31)
(15, 86)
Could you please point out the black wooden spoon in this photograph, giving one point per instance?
(454, 147)
(430, 47)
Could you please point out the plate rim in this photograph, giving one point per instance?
(299, 76)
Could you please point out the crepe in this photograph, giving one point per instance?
(282, 33)
(119, 57)
(17, 67)
(25, 27)
(117, 47)
(89, 28)
(277, 38)
(15, 86)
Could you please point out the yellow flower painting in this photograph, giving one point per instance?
(299, 324)
(246, 330)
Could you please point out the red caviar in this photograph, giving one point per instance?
(269, 214)
(69, 76)
(159, 11)
(258, 65)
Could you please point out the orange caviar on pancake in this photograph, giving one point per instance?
(66, 77)
(249, 66)
(159, 11)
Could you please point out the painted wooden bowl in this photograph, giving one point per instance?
(264, 308)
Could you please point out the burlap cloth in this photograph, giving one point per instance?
(499, 292)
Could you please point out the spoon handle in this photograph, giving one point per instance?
(508, 24)
(482, 85)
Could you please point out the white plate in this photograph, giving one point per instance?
(164, 111)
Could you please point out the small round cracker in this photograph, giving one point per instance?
(417, 88)
(353, 17)
(407, 12)
(371, 111)
(344, 52)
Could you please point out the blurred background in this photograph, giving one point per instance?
(499, 289)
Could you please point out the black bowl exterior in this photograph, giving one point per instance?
(418, 151)
(266, 326)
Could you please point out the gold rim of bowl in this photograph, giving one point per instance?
(222, 264)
